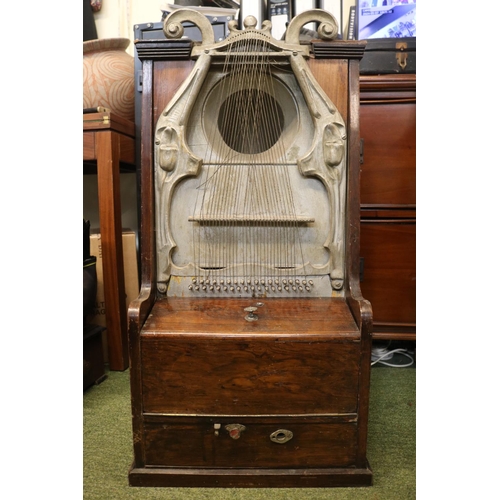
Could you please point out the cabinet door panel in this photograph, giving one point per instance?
(389, 265)
(389, 164)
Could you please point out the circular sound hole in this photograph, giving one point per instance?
(250, 121)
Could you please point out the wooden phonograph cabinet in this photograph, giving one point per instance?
(250, 339)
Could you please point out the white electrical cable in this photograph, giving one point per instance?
(389, 355)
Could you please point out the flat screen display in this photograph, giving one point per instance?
(386, 19)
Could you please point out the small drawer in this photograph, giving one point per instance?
(244, 442)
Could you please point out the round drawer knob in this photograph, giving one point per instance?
(281, 436)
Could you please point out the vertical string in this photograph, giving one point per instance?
(248, 223)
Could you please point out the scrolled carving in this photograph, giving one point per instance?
(174, 30)
(172, 25)
(328, 29)
(267, 26)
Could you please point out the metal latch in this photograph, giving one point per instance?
(401, 56)
(138, 83)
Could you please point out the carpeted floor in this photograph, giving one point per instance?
(107, 445)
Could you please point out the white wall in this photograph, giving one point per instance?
(118, 17)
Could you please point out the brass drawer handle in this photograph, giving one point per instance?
(281, 436)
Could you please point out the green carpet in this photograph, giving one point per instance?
(107, 447)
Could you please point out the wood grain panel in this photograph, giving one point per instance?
(169, 77)
(89, 146)
(332, 78)
(127, 149)
(222, 316)
(249, 375)
(389, 168)
(389, 278)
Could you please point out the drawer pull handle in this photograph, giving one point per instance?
(281, 436)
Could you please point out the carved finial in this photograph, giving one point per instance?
(250, 22)
(172, 25)
(267, 26)
(232, 25)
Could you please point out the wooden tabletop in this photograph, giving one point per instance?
(108, 120)
(94, 123)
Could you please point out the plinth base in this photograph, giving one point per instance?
(251, 478)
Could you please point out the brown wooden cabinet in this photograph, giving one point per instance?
(239, 386)
(388, 202)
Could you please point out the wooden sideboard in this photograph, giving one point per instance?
(388, 202)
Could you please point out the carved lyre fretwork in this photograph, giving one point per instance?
(250, 154)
